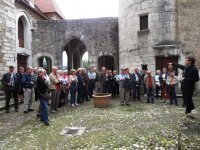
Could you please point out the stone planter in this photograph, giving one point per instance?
(101, 100)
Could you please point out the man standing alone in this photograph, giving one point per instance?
(190, 76)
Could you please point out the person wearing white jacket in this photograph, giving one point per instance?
(157, 80)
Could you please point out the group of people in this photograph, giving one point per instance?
(164, 81)
(77, 86)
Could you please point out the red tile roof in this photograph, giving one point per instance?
(49, 6)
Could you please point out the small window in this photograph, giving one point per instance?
(144, 22)
(21, 33)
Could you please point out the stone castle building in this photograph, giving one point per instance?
(16, 30)
(153, 32)
(156, 32)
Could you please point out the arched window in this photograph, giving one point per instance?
(21, 33)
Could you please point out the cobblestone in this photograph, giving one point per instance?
(141, 125)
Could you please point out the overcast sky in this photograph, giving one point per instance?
(76, 9)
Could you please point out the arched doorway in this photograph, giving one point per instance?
(106, 61)
(23, 40)
(75, 49)
(46, 63)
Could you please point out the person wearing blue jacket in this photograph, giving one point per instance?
(27, 85)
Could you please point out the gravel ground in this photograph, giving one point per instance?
(140, 126)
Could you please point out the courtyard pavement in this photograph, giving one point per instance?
(139, 126)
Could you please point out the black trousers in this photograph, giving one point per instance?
(80, 94)
(136, 93)
(85, 93)
(8, 94)
(187, 98)
(115, 91)
(36, 93)
(157, 90)
(91, 88)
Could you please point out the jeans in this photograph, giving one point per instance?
(44, 110)
(73, 97)
(150, 95)
(173, 97)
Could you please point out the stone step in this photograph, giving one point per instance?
(2, 93)
(2, 98)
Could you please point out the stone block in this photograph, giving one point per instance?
(11, 15)
(10, 23)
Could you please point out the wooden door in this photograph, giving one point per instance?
(106, 61)
(162, 62)
(22, 61)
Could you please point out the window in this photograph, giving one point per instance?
(144, 22)
(21, 33)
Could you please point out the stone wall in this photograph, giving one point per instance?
(32, 16)
(9, 11)
(189, 27)
(189, 30)
(137, 47)
(7, 35)
(100, 36)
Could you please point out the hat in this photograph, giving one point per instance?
(11, 67)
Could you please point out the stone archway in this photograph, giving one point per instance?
(75, 49)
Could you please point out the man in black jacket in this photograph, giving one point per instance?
(137, 79)
(11, 83)
(190, 76)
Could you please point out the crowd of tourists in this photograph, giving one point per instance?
(77, 86)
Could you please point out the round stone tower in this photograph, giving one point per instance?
(147, 33)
